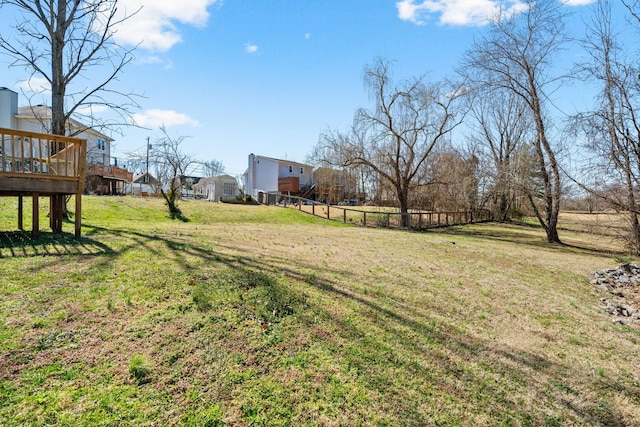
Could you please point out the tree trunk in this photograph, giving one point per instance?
(171, 198)
(550, 173)
(403, 201)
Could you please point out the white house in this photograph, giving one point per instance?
(269, 175)
(108, 179)
(144, 185)
(216, 188)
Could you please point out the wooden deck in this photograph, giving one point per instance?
(112, 172)
(41, 165)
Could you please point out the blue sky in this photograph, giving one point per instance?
(267, 77)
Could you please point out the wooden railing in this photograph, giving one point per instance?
(35, 165)
(381, 219)
(29, 153)
(110, 172)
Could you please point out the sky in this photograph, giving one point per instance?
(268, 77)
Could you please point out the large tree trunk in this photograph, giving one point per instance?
(58, 125)
(551, 172)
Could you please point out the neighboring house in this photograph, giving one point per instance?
(216, 188)
(269, 175)
(102, 177)
(144, 185)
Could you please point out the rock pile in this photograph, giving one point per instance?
(623, 284)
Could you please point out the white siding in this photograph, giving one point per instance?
(266, 176)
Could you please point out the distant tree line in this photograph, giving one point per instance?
(512, 151)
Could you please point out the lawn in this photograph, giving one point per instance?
(253, 315)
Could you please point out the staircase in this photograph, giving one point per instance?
(308, 192)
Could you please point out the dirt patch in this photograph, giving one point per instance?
(623, 287)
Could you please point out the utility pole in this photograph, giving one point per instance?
(146, 177)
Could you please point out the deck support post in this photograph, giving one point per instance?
(78, 217)
(20, 214)
(59, 212)
(35, 210)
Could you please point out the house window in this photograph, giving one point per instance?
(227, 191)
(290, 169)
(301, 171)
(101, 144)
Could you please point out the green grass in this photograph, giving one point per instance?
(249, 315)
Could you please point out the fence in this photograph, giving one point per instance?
(365, 218)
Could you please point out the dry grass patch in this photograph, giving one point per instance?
(264, 316)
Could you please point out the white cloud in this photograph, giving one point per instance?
(155, 118)
(154, 25)
(155, 59)
(92, 110)
(578, 2)
(38, 85)
(463, 12)
(250, 48)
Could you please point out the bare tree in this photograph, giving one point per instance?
(612, 130)
(501, 131)
(212, 168)
(516, 54)
(60, 41)
(634, 8)
(171, 164)
(396, 137)
(448, 182)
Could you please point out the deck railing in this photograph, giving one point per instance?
(110, 172)
(35, 165)
(28, 153)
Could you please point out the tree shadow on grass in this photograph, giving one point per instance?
(21, 244)
(179, 216)
(427, 344)
(519, 234)
(442, 363)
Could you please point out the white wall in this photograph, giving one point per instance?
(266, 174)
(303, 172)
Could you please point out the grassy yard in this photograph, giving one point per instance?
(253, 315)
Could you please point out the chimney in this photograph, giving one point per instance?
(8, 107)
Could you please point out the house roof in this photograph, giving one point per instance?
(42, 112)
(138, 178)
(213, 179)
(288, 162)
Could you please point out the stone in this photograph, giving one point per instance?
(623, 287)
